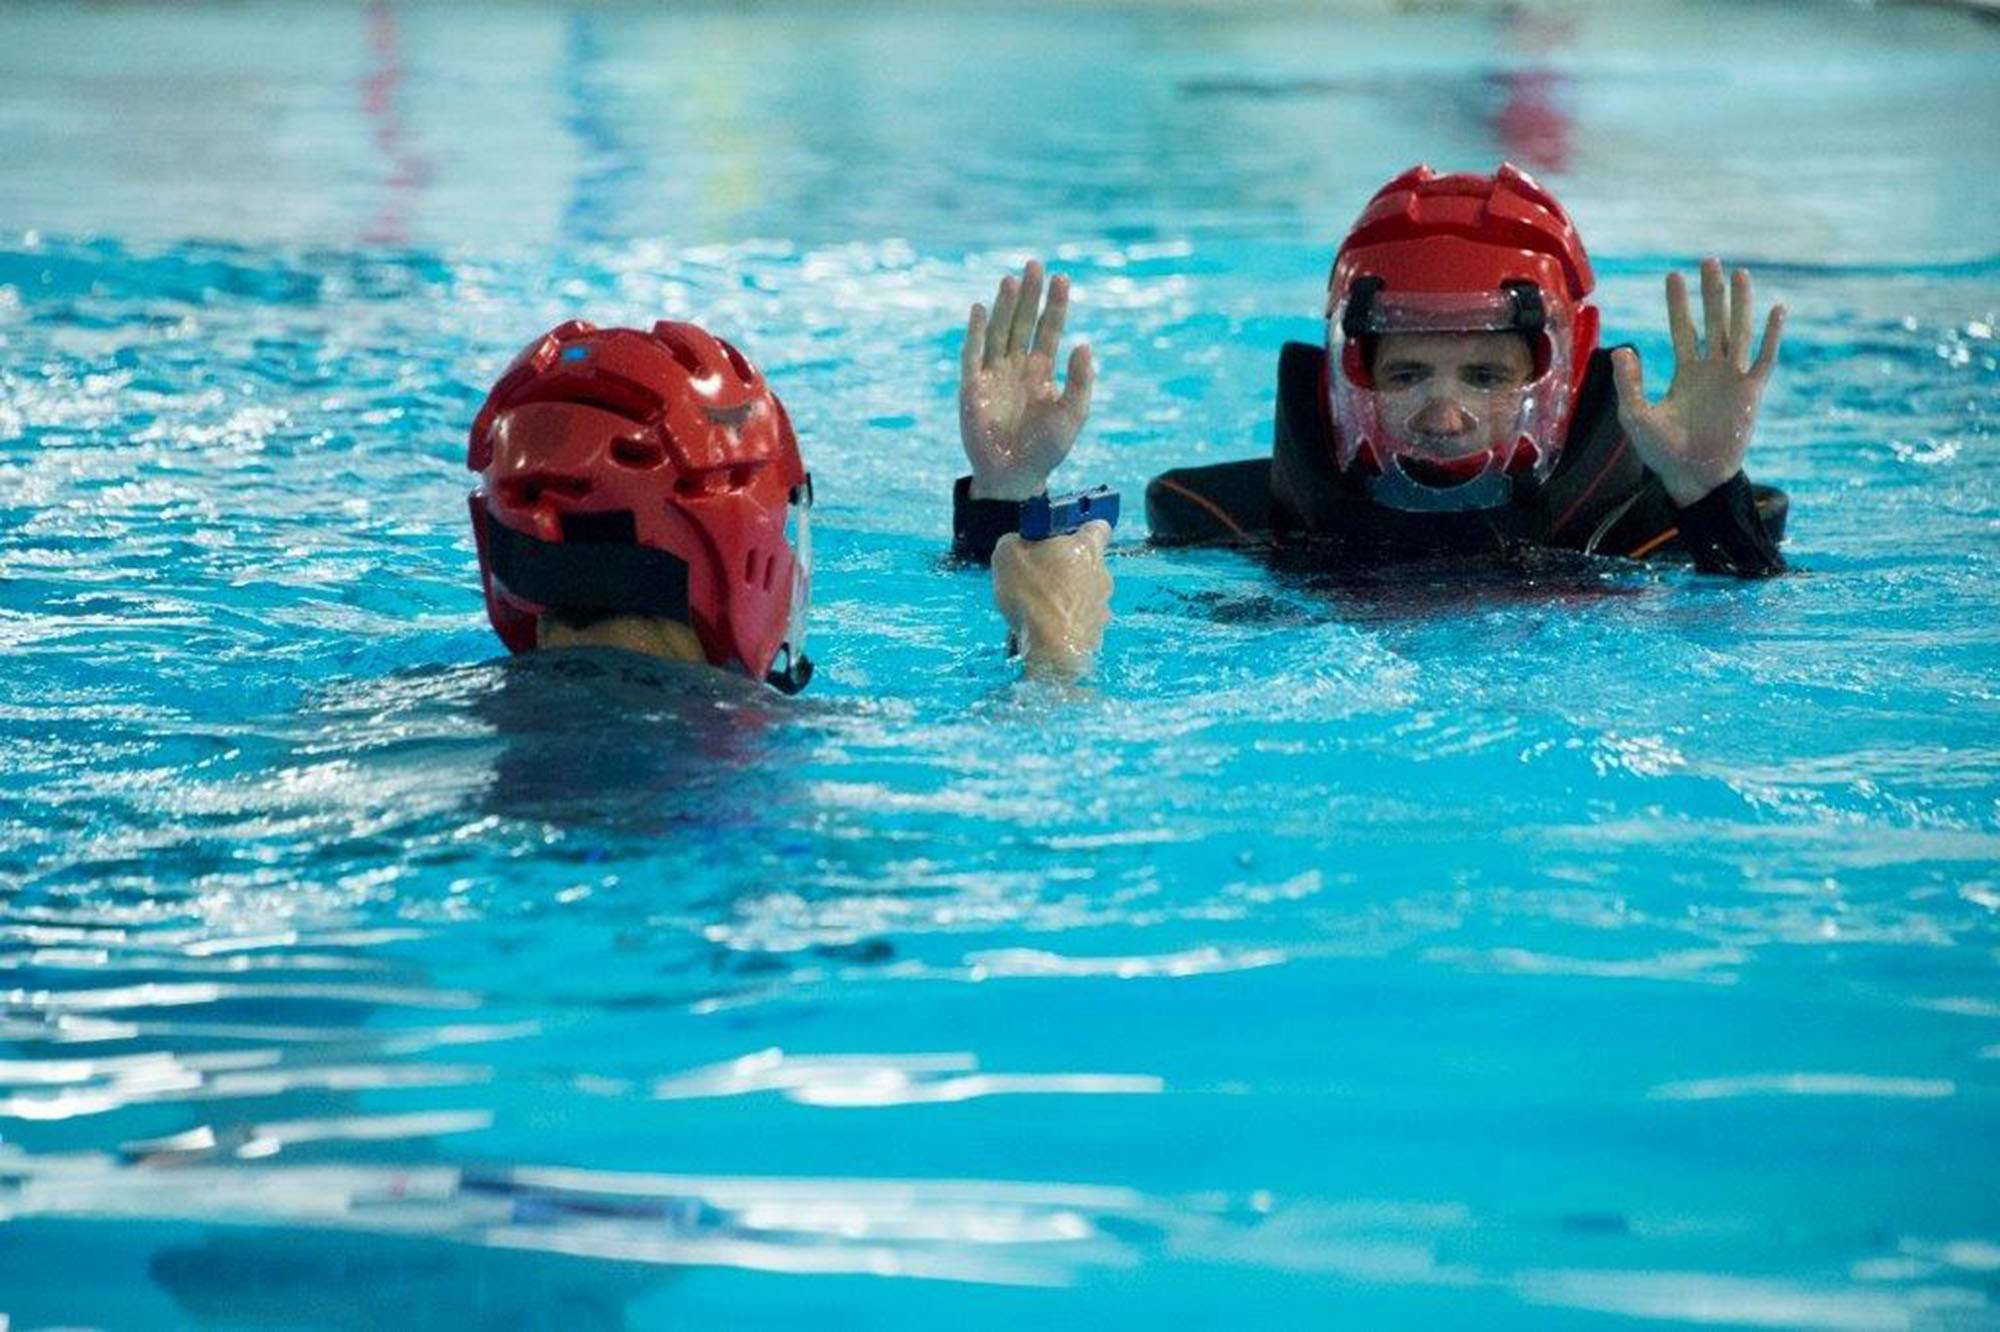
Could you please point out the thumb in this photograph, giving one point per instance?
(1078, 382)
(1096, 534)
(1009, 554)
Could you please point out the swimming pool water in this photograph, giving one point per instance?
(1591, 944)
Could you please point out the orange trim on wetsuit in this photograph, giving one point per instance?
(1589, 490)
(1640, 552)
(1222, 515)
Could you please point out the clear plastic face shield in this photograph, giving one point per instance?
(1452, 396)
(792, 668)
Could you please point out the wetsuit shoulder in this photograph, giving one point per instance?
(1308, 492)
(1600, 474)
(1223, 502)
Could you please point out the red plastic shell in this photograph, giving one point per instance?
(672, 424)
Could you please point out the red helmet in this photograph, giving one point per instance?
(1459, 254)
(650, 473)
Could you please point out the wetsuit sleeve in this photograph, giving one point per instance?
(1227, 502)
(978, 524)
(1726, 532)
(1734, 529)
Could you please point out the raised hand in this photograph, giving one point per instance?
(1694, 439)
(1056, 597)
(1015, 426)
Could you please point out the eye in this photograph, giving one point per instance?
(1487, 377)
(1403, 376)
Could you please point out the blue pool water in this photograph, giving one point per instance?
(1598, 945)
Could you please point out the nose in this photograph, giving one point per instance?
(1443, 419)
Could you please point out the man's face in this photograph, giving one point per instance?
(1450, 395)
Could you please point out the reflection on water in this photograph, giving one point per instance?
(644, 750)
(380, 105)
(951, 1230)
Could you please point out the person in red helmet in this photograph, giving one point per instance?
(1460, 405)
(644, 490)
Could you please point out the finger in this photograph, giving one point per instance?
(1629, 381)
(1077, 384)
(1680, 324)
(975, 342)
(1096, 534)
(1740, 313)
(1022, 333)
(1004, 301)
(1714, 310)
(1048, 333)
(1774, 333)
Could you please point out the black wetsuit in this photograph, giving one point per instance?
(1599, 499)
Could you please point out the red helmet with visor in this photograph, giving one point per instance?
(647, 473)
(1458, 254)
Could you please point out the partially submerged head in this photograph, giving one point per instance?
(644, 489)
(1458, 333)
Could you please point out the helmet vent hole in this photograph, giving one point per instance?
(739, 477)
(637, 453)
(770, 568)
(689, 359)
(528, 490)
(736, 361)
(708, 481)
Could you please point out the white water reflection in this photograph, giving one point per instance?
(258, 1140)
(997, 963)
(974, 1230)
(1805, 1084)
(176, 1081)
(183, 995)
(1704, 966)
(1704, 1298)
(856, 1080)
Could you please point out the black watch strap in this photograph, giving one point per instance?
(978, 524)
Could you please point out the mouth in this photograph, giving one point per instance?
(1441, 473)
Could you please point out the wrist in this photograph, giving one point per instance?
(1693, 471)
(1011, 488)
(1691, 487)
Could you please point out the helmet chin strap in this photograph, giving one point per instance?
(1393, 488)
(794, 675)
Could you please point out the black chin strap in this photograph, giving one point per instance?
(591, 571)
(796, 674)
(601, 568)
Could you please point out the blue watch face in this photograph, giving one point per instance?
(1044, 516)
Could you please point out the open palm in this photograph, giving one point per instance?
(1015, 425)
(1695, 437)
